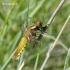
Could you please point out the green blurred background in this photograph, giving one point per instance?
(10, 33)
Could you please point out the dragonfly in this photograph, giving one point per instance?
(29, 36)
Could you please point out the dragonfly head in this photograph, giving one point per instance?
(38, 23)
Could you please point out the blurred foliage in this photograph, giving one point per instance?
(10, 32)
(67, 61)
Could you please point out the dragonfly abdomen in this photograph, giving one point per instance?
(21, 47)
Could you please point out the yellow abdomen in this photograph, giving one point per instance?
(21, 47)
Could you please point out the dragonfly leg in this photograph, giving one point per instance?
(32, 39)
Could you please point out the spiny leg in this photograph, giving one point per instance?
(32, 39)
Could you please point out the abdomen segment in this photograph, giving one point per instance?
(21, 47)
